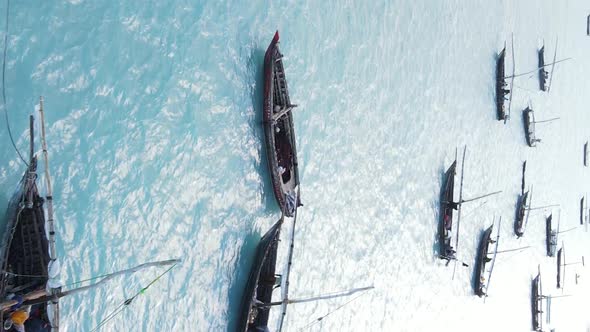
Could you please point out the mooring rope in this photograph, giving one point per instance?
(4, 86)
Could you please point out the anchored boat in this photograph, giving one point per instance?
(543, 74)
(551, 236)
(501, 86)
(25, 253)
(537, 298)
(521, 211)
(279, 131)
(481, 282)
(447, 205)
(261, 283)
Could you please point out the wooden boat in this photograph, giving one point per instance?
(447, 205)
(543, 74)
(528, 117)
(24, 254)
(522, 207)
(261, 283)
(482, 260)
(551, 237)
(279, 131)
(501, 86)
(582, 210)
(588, 25)
(559, 258)
(537, 303)
(586, 153)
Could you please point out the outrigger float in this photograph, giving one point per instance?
(279, 131)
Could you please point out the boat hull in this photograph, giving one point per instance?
(520, 214)
(279, 133)
(482, 259)
(24, 252)
(446, 213)
(501, 87)
(261, 283)
(542, 72)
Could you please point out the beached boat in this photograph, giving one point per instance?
(482, 260)
(279, 131)
(543, 74)
(528, 118)
(261, 283)
(447, 205)
(537, 303)
(551, 237)
(24, 254)
(521, 211)
(501, 86)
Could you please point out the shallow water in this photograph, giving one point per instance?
(156, 152)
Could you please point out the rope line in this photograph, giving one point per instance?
(4, 86)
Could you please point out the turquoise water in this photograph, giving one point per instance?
(155, 139)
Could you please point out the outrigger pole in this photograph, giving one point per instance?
(317, 298)
(543, 207)
(536, 69)
(548, 120)
(479, 197)
(42, 296)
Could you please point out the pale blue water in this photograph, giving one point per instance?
(156, 152)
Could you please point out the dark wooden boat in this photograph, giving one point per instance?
(582, 210)
(559, 257)
(279, 131)
(522, 206)
(528, 117)
(24, 254)
(543, 74)
(586, 153)
(261, 283)
(501, 86)
(551, 237)
(588, 25)
(482, 260)
(537, 303)
(447, 205)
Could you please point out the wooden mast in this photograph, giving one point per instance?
(50, 220)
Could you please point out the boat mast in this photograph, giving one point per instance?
(43, 296)
(511, 81)
(459, 207)
(553, 65)
(285, 290)
(50, 220)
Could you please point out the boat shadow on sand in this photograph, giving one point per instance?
(255, 72)
(242, 272)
